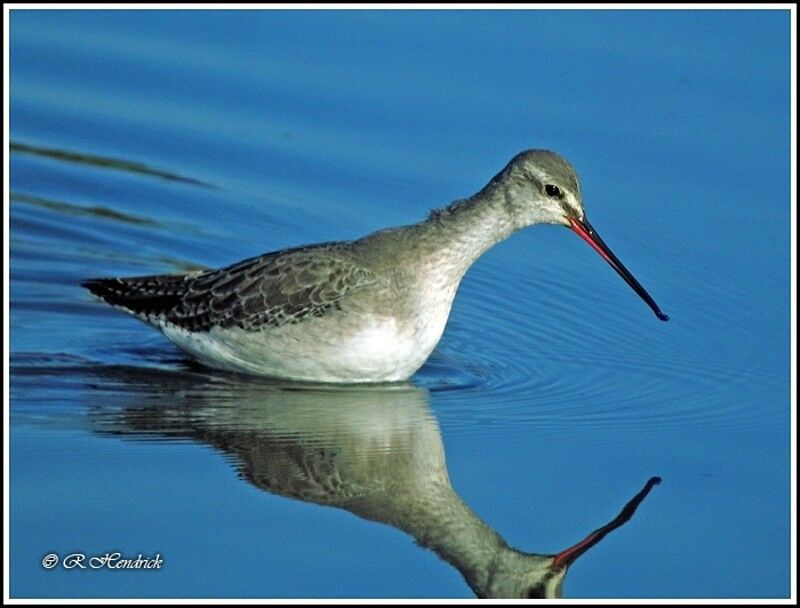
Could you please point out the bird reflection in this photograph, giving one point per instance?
(374, 451)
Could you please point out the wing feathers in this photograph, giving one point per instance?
(270, 290)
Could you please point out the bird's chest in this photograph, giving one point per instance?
(431, 314)
(427, 306)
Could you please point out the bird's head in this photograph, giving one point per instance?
(516, 574)
(541, 187)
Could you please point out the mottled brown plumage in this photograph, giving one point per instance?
(274, 289)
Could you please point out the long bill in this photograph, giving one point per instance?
(588, 234)
(567, 556)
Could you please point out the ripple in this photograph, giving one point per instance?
(81, 211)
(443, 373)
(591, 373)
(103, 162)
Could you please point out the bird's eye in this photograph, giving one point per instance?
(552, 190)
(536, 592)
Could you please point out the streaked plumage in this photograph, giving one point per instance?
(271, 290)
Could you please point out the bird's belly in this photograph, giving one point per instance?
(317, 350)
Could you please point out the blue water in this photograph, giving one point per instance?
(146, 142)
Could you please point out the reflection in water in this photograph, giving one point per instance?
(376, 452)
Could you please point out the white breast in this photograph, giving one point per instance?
(315, 350)
(357, 344)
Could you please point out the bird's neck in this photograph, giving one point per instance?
(439, 520)
(464, 230)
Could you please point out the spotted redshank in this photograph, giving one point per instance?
(368, 310)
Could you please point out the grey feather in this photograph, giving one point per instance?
(274, 289)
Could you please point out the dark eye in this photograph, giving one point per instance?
(536, 592)
(552, 190)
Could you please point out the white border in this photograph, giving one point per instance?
(402, 6)
(793, 298)
(792, 8)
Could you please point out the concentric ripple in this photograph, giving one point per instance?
(545, 362)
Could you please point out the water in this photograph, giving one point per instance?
(146, 142)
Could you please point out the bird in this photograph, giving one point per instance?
(376, 452)
(369, 310)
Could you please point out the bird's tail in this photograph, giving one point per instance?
(147, 296)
